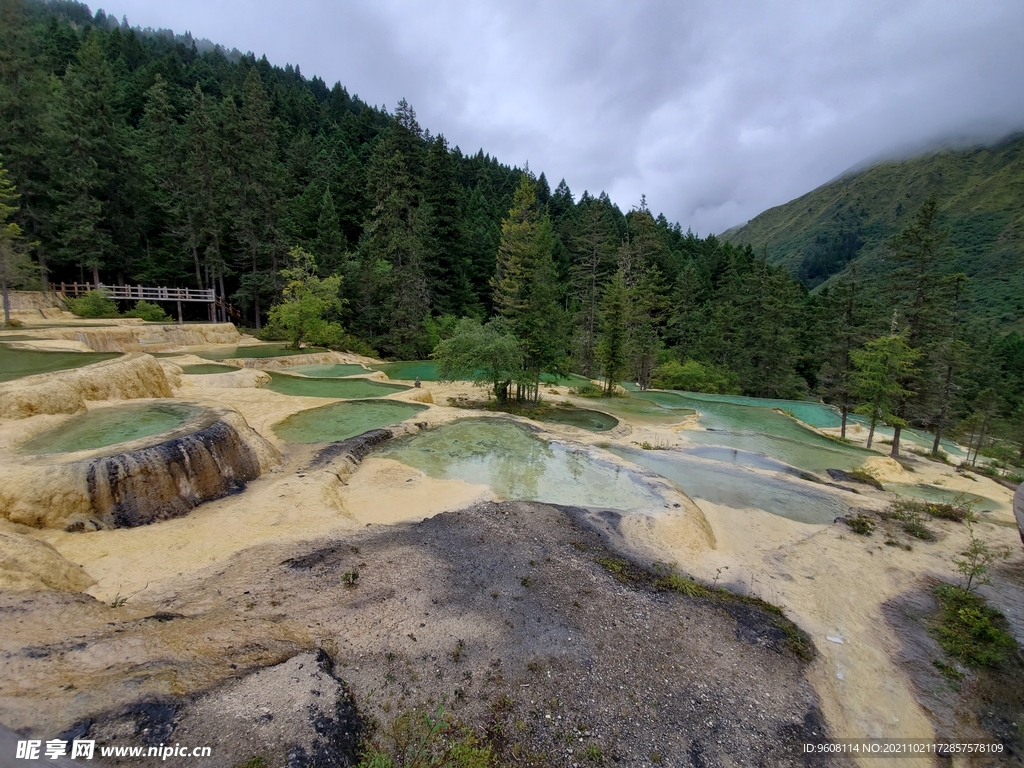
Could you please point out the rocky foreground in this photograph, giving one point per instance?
(520, 620)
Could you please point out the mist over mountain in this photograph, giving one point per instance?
(848, 222)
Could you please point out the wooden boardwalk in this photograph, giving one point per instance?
(137, 292)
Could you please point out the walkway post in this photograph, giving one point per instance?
(180, 321)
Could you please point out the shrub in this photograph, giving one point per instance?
(692, 376)
(587, 390)
(152, 313)
(860, 524)
(93, 304)
(969, 630)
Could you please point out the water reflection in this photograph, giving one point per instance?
(737, 487)
(518, 465)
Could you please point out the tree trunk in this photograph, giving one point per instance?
(199, 273)
(44, 273)
(223, 298)
(895, 452)
(842, 426)
(871, 431)
(941, 424)
(255, 292)
(96, 276)
(7, 298)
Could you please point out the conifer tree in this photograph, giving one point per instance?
(846, 329)
(90, 131)
(593, 249)
(394, 254)
(10, 233)
(880, 368)
(253, 160)
(612, 350)
(525, 293)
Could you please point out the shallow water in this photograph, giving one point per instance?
(109, 426)
(339, 421)
(340, 388)
(17, 363)
(933, 493)
(737, 487)
(200, 370)
(408, 370)
(756, 429)
(259, 351)
(595, 421)
(741, 458)
(517, 465)
(335, 371)
(643, 411)
(818, 415)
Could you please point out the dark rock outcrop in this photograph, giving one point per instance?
(171, 478)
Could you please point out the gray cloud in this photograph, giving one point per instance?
(716, 109)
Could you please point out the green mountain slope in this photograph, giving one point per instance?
(849, 220)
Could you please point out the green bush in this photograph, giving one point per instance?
(93, 304)
(969, 630)
(587, 390)
(692, 376)
(152, 313)
(860, 524)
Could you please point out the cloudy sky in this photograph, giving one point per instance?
(715, 109)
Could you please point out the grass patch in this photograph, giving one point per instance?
(415, 740)
(866, 477)
(860, 524)
(948, 671)
(910, 515)
(969, 630)
(665, 578)
(658, 445)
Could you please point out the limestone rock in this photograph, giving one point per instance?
(126, 378)
(29, 564)
(246, 378)
(885, 469)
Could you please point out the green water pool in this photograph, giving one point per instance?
(595, 421)
(517, 465)
(340, 388)
(738, 487)
(643, 411)
(756, 429)
(334, 371)
(18, 363)
(199, 370)
(927, 492)
(259, 351)
(340, 421)
(109, 426)
(408, 370)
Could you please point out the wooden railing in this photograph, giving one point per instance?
(137, 292)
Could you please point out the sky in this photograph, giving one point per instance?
(714, 109)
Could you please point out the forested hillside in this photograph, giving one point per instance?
(134, 156)
(850, 220)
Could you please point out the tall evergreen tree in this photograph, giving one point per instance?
(92, 134)
(880, 368)
(525, 293)
(612, 350)
(394, 254)
(593, 257)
